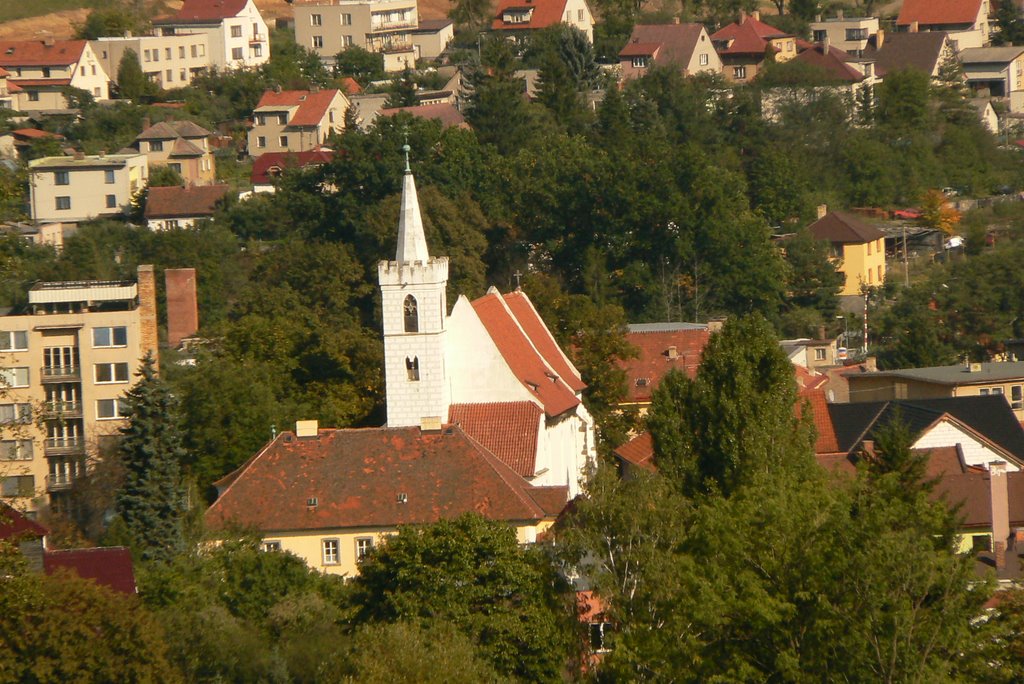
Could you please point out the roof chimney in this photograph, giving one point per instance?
(48, 40)
(743, 16)
(430, 424)
(1000, 510)
(672, 352)
(821, 332)
(146, 123)
(822, 210)
(756, 15)
(306, 428)
(825, 45)
(675, 20)
(880, 39)
(914, 27)
(839, 14)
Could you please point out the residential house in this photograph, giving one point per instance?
(849, 34)
(296, 120)
(686, 47)
(858, 249)
(444, 112)
(432, 36)
(14, 144)
(44, 69)
(330, 495)
(986, 114)
(169, 60)
(1005, 380)
(996, 72)
(77, 188)
(965, 21)
(743, 47)
(846, 75)
(8, 92)
(661, 348)
(67, 359)
(175, 206)
(182, 145)
(267, 168)
(386, 26)
(519, 19)
(926, 52)
(812, 354)
(43, 234)
(236, 34)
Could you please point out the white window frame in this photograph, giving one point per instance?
(236, 31)
(13, 340)
(739, 72)
(237, 53)
(364, 545)
(271, 546)
(318, 42)
(640, 62)
(9, 377)
(704, 59)
(819, 354)
(111, 333)
(283, 141)
(113, 368)
(330, 551)
(316, 20)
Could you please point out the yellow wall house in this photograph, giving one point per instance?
(330, 495)
(79, 188)
(857, 248)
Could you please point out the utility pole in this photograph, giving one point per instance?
(906, 267)
(865, 349)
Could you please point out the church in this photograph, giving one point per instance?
(484, 414)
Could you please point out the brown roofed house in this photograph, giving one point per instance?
(857, 248)
(182, 145)
(921, 51)
(742, 46)
(520, 18)
(444, 112)
(180, 207)
(686, 47)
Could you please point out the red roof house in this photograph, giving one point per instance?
(180, 207)
(296, 120)
(522, 17)
(686, 47)
(271, 165)
(444, 112)
(951, 16)
(661, 347)
(109, 567)
(742, 47)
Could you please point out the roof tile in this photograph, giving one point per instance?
(509, 430)
(176, 201)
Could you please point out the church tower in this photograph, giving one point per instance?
(414, 312)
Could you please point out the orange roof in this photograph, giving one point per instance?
(37, 82)
(534, 327)
(444, 112)
(509, 430)
(350, 86)
(544, 13)
(644, 373)
(199, 11)
(15, 53)
(750, 37)
(35, 133)
(525, 361)
(312, 106)
(938, 12)
(826, 441)
(4, 73)
(639, 451)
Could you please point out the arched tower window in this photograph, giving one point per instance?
(412, 367)
(411, 314)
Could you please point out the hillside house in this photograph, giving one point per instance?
(296, 120)
(518, 19)
(686, 47)
(743, 46)
(857, 248)
(965, 21)
(42, 70)
(235, 32)
(82, 187)
(182, 145)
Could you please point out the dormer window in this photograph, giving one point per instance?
(640, 62)
(410, 315)
(641, 382)
(517, 15)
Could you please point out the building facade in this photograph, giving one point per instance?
(72, 189)
(296, 120)
(386, 26)
(66, 362)
(170, 61)
(43, 69)
(849, 34)
(237, 36)
(182, 145)
(857, 248)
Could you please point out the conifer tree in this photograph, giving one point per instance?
(130, 80)
(152, 501)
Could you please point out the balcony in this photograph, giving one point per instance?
(59, 483)
(257, 38)
(62, 409)
(61, 373)
(57, 446)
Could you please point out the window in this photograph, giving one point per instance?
(202, 50)
(983, 391)
(1016, 400)
(581, 15)
(110, 337)
(236, 31)
(111, 409)
(363, 547)
(61, 178)
(820, 36)
(169, 76)
(16, 450)
(156, 146)
(192, 49)
(271, 546)
(410, 314)
(981, 542)
(111, 372)
(14, 377)
(93, 69)
(330, 551)
(111, 201)
(739, 72)
(316, 19)
(283, 141)
(330, 116)
(282, 118)
(181, 52)
(869, 248)
(237, 53)
(412, 368)
(257, 50)
(46, 72)
(599, 632)
(997, 391)
(62, 203)
(33, 96)
(347, 41)
(145, 55)
(704, 59)
(167, 54)
(819, 354)
(108, 176)
(318, 41)
(156, 55)
(18, 485)
(261, 141)
(172, 224)
(856, 34)
(14, 340)
(182, 75)
(11, 414)
(175, 166)
(346, 19)
(639, 62)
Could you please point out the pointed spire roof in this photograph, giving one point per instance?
(412, 242)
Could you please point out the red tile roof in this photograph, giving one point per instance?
(644, 373)
(15, 53)
(14, 524)
(543, 341)
(32, 133)
(750, 37)
(263, 169)
(444, 112)
(350, 86)
(938, 12)
(312, 106)
(357, 477)
(201, 11)
(525, 361)
(834, 63)
(4, 73)
(639, 452)
(108, 566)
(37, 82)
(176, 201)
(826, 441)
(509, 430)
(545, 13)
(674, 43)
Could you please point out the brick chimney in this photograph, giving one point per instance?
(880, 39)
(1000, 511)
(822, 210)
(182, 309)
(914, 27)
(756, 15)
(148, 336)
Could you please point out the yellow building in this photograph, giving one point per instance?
(65, 363)
(330, 495)
(858, 249)
(79, 188)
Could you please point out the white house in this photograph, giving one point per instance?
(41, 70)
(237, 35)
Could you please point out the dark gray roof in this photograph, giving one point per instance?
(959, 374)
(990, 55)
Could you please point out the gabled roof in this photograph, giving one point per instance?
(183, 202)
(524, 360)
(109, 567)
(543, 341)
(270, 164)
(638, 452)
(990, 55)
(938, 12)
(833, 63)
(826, 441)
(444, 112)
(644, 373)
(14, 524)
(509, 430)
(168, 130)
(185, 148)
(311, 106)
(545, 13)
(841, 227)
(15, 53)
(376, 477)
(207, 11)
(34, 134)
(39, 82)
(749, 37)
(674, 43)
(351, 86)
(922, 51)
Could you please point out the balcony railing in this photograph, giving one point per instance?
(59, 482)
(393, 25)
(64, 445)
(257, 38)
(63, 409)
(61, 373)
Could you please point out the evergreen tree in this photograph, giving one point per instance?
(152, 501)
(893, 455)
(131, 82)
(403, 90)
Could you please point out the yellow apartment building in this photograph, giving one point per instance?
(79, 188)
(386, 26)
(170, 61)
(857, 248)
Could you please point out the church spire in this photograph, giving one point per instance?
(412, 243)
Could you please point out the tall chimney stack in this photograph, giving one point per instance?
(1000, 511)
(149, 337)
(182, 309)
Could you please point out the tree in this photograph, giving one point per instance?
(470, 572)
(403, 90)
(937, 213)
(893, 455)
(293, 66)
(814, 281)
(114, 20)
(163, 176)
(152, 502)
(131, 81)
(360, 64)
(1010, 24)
(470, 15)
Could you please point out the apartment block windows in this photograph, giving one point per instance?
(237, 53)
(236, 31)
(182, 75)
(329, 547)
(17, 485)
(318, 41)
(14, 340)
(316, 20)
(739, 72)
(14, 377)
(145, 55)
(181, 52)
(257, 50)
(111, 409)
(363, 547)
(346, 19)
(61, 178)
(347, 41)
(192, 49)
(62, 203)
(169, 75)
(116, 336)
(108, 176)
(111, 372)
(167, 54)
(16, 450)
(856, 34)
(14, 414)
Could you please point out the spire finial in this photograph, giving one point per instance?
(406, 149)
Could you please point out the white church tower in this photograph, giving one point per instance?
(414, 312)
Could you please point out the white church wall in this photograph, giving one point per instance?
(976, 453)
